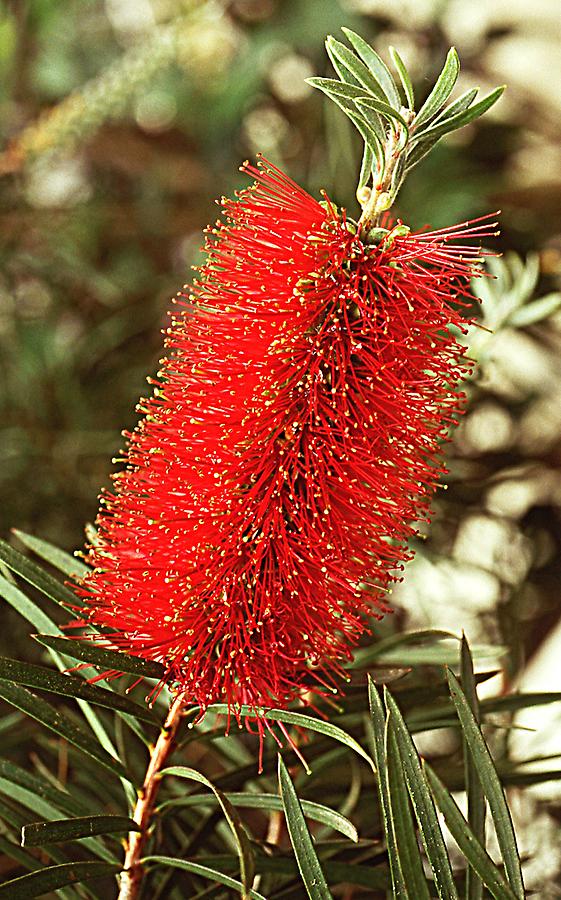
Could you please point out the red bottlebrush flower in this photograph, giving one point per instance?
(289, 451)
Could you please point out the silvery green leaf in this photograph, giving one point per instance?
(404, 77)
(441, 91)
(377, 67)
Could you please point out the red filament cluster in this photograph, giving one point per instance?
(290, 449)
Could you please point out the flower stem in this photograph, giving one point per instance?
(131, 878)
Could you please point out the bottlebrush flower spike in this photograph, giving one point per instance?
(290, 449)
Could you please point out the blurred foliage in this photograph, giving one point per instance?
(120, 123)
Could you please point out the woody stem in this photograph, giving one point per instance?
(132, 875)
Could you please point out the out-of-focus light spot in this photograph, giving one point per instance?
(155, 111)
(533, 371)
(287, 78)
(487, 429)
(130, 17)
(494, 545)
(209, 48)
(265, 128)
(406, 13)
(512, 499)
(253, 10)
(32, 299)
(56, 183)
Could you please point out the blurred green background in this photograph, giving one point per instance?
(121, 123)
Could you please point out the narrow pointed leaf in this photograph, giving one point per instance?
(366, 167)
(491, 785)
(37, 834)
(423, 804)
(475, 795)
(13, 777)
(35, 575)
(314, 811)
(536, 311)
(37, 708)
(358, 70)
(300, 838)
(380, 758)
(383, 109)
(441, 91)
(244, 849)
(300, 720)
(345, 95)
(68, 685)
(463, 118)
(403, 77)
(26, 607)
(406, 846)
(377, 67)
(58, 558)
(109, 660)
(462, 103)
(473, 850)
(51, 878)
(14, 851)
(203, 871)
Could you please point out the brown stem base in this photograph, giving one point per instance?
(131, 877)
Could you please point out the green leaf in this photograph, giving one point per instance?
(477, 857)
(409, 857)
(357, 69)
(340, 92)
(58, 558)
(366, 167)
(57, 831)
(389, 815)
(37, 791)
(463, 102)
(422, 801)
(403, 77)
(536, 311)
(475, 795)
(203, 871)
(51, 878)
(109, 660)
(491, 785)
(70, 686)
(377, 67)
(383, 109)
(315, 811)
(441, 91)
(33, 574)
(301, 721)
(52, 718)
(26, 607)
(14, 851)
(461, 119)
(368, 124)
(300, 838)
(243, 846)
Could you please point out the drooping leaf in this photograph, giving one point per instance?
(300, 838)
(57, 831)
(244, 849)
(269, 802)
(56, 721)
(70, 686)
(26, 607)
(35, 575)
(203, 871)
(109, 660)
(50, 878)
(58, 558)
(491, 785)
(301, 721)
